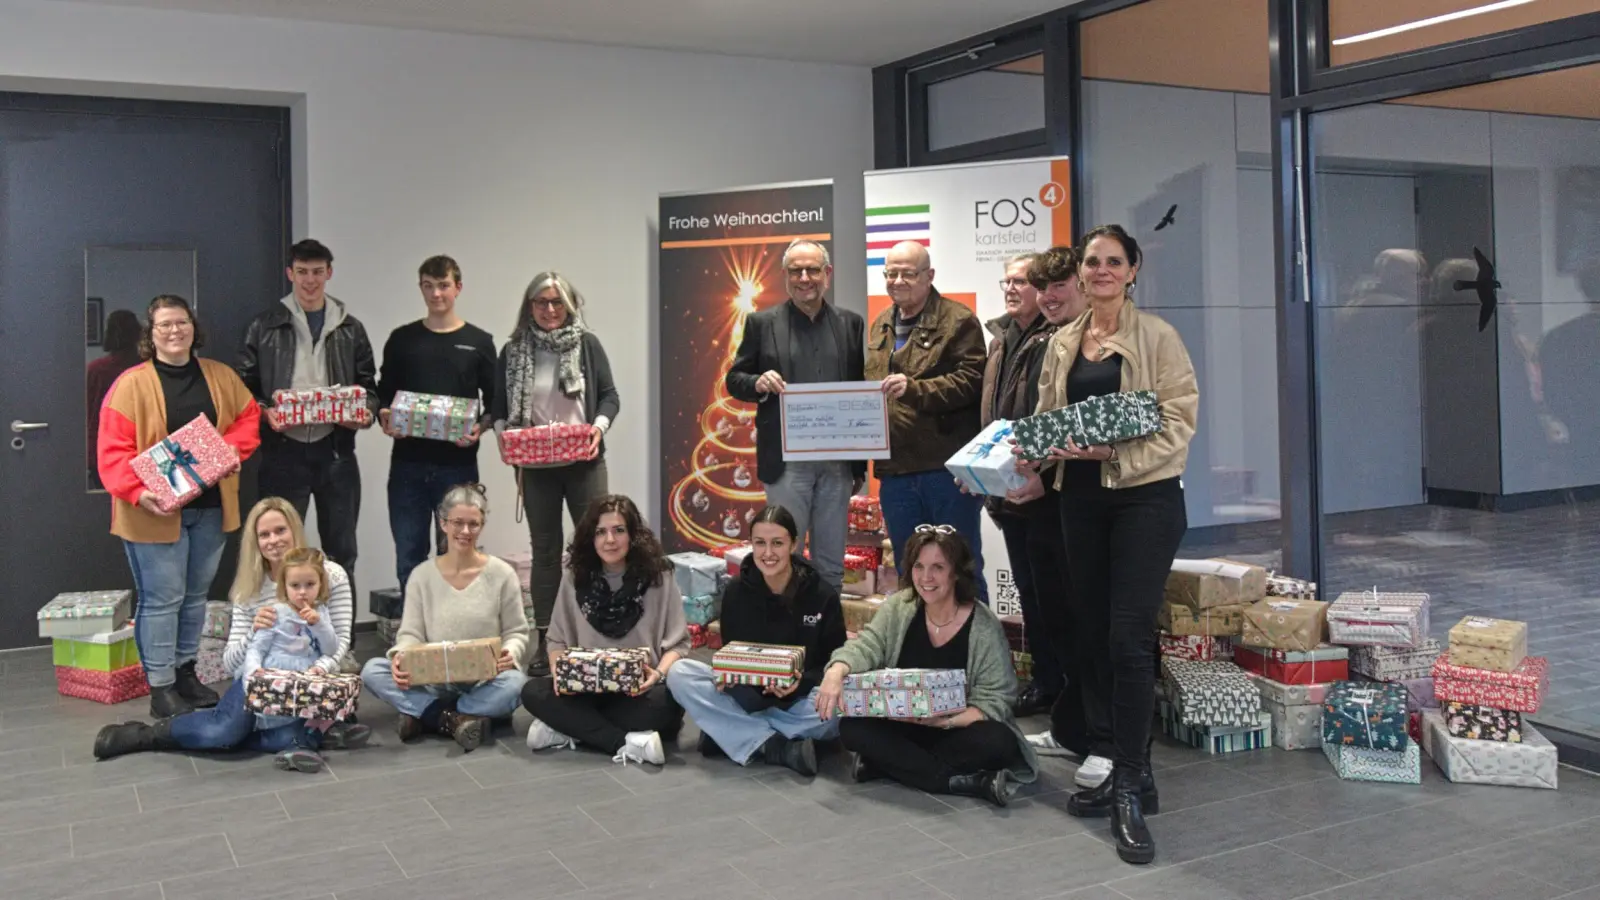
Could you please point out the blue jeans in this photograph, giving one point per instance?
(818, 495)
(493, 699)
(415, 492)
(931, 498)
(740, 734)
(230, 725)
(172, 581)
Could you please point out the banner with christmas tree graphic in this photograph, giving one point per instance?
(721, 260)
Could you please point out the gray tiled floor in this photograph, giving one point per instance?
(393, 822)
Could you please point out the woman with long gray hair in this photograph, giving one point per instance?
(553, 371)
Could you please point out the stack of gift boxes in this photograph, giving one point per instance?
(93, 648)
(213, 640)
(701, 579)
(1485, 682)
(1207, 701)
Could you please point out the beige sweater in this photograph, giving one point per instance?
(663, 627)
(491, 606)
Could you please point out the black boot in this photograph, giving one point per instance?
(862, 771)
(470, 732)
(1128, 828)
(166, 702)
(539, 666)
(708, 747)
(1034, 700)
(133, 737)
(1095, 803)
(190, 688)
(799, 754)
(990, 786)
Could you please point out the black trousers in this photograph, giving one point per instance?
(1047, 558)
(603, 721)
(300, 472)
(925, 757)
(1120, 547)
(1017, 528)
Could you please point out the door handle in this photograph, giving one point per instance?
(18, 426)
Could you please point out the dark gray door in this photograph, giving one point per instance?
(105, 180)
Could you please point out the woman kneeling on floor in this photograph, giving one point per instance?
(276, 532)
(778, 598)
(617, 592)
(935, 622)
(463, 595)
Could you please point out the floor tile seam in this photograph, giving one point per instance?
(1336, 870)
(942, 892)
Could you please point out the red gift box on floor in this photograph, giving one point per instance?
(1294, 666)
(1521, 690)
(181, 466)
(545, 444)
(334, 405)
(866, 514)
(102, 687)
(698, 636)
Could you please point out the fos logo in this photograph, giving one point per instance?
(1005, 213)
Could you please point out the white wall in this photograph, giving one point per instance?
(513, 156)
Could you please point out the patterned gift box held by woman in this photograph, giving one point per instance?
(776, 666)
(453, 662)
(581, 670)
(182, 465)
(1522, 690)
(1482, 723)
(1496, 644)
(545, 444)
(84, 613)
(124, 684)
(433, 416)
(339, 404)
(1395, 663)
(904, 693)
(1380, 619)
(1370, 715)
(1105, 419)
(279, 692)
(1211, 693)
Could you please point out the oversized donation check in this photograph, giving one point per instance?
(835, 420)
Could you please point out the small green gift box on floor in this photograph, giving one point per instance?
(105, 652)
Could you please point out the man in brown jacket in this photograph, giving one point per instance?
(929, 354)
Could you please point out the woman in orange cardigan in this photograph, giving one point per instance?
(174, 555)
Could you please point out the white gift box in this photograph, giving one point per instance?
(1531, 763)
(986, 465)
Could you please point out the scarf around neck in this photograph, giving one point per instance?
(612, 613)
(566, 342)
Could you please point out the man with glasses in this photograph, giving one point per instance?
(442, 355)
(928, 354)
(802, 341)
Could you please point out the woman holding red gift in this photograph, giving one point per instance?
(553, 372)
(173, 552)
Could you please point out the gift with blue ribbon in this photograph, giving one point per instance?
(170, 457)
(986, 464)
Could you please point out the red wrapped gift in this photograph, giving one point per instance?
(865, 514)
(1521, 690)
(336, 405)
(545, 444)
(698, 636)
(102, 687)
(1014, 635)
(862, 556)
(1197, 647)
(182, 465)
(1326, 663)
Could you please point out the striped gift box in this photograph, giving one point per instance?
(1255, 736)
(763, 665)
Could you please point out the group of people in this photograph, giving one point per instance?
(1091, 536)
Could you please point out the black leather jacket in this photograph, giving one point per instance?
(266, 363)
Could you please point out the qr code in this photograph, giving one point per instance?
(1003, 596)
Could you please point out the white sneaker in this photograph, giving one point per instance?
(642, 747)
(1044, 743)
(543, 737)
(1093, 770)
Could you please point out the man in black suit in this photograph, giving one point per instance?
(804, 340)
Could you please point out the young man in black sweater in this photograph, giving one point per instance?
(443, 355)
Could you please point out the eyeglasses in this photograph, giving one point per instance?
(170, 327)
(936, 529)
(902, 274)
(548, 305)
(462, 525)
(1008, 283)
(797, 271)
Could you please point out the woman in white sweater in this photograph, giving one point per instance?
(461, 596)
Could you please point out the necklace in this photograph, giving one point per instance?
(1100, 342)
(938, 627)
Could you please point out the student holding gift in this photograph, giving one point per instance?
(553, 371)
(462, 595)
(936, 622)
(173, 552)
(617, 594)
(778, 598)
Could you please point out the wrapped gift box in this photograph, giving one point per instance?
(698, 636)
(1293, 588)
(697, 573)
(1394, 663)
(387, 603)
(433, 416)
(117, 686)
(1419, 693)
(179, 467)
(1195, 647)
(208, 661)
(453, 662)
(541, 445)
(1217, 621)
(1016, 632)
(986, 464)
(1211, 693)
(1360, 764)
(1295, 727)
(1327, 663)
(701, 609)
(1531, 763)
(1255, 736)
(219, 619)
(734, 558)
(279, 692)
(776, 666)
(1106, 419)
(106, 652)
(1499, 645)
(858, 611)
(1022, 663)
(85, 613)
(388, 630)
(1380, 619)
(1285, 624)
(1292, 694)
(863, 556)
(1210, 583)
(1482, 723)
(714, 635)
(860, 576)
(339, 404)
(904, 693)
(866, 514)
(1522, 690)
(1369, 714)
(593, 671)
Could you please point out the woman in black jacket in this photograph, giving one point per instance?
(777, 599)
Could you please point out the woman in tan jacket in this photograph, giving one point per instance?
(1122, 514)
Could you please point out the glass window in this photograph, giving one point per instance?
(1004, 100)
(1368, 29)
(1456, 275)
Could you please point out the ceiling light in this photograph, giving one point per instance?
(1424, 23)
